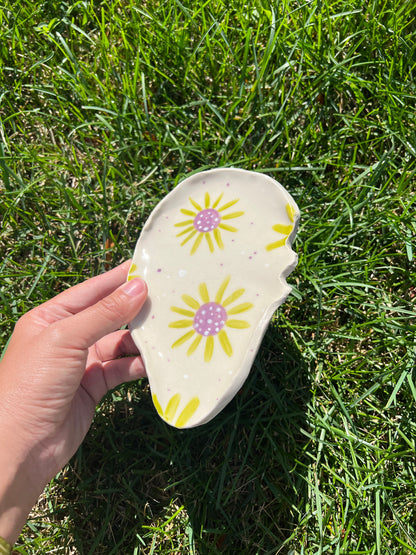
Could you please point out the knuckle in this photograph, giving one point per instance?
(27, 318)
(111, 307)
(25, 323)
(22, 322)
(56, 333)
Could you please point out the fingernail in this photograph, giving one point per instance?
(133, 287)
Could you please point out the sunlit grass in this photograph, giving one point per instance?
(104, 107)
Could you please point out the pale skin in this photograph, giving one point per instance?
(63, 357)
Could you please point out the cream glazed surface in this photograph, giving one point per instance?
(215, 254)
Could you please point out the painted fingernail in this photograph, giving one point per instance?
(134, 287)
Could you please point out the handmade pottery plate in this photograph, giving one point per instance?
(215, 254)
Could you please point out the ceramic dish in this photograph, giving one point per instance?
(215, 254)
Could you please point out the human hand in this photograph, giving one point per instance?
(62, 359)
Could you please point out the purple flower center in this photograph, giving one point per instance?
(207, 220)
(209, 319)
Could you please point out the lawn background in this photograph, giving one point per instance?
(105, 105)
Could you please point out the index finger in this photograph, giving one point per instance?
(81, 296)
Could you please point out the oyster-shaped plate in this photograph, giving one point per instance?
(215, 254)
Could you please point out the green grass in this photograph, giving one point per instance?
(104, 107)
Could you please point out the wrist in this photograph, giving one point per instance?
(17, 492)
(15, 507)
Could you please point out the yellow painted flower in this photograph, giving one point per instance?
(207, 221)
(209, 319)
(283, 229)
(172, 407)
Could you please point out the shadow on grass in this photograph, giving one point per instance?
(238, 477)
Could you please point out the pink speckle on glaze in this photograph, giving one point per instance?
(159, 269)
(209, 319)
(227, 184)
(207, 220)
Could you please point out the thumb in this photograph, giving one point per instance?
(85, 328)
